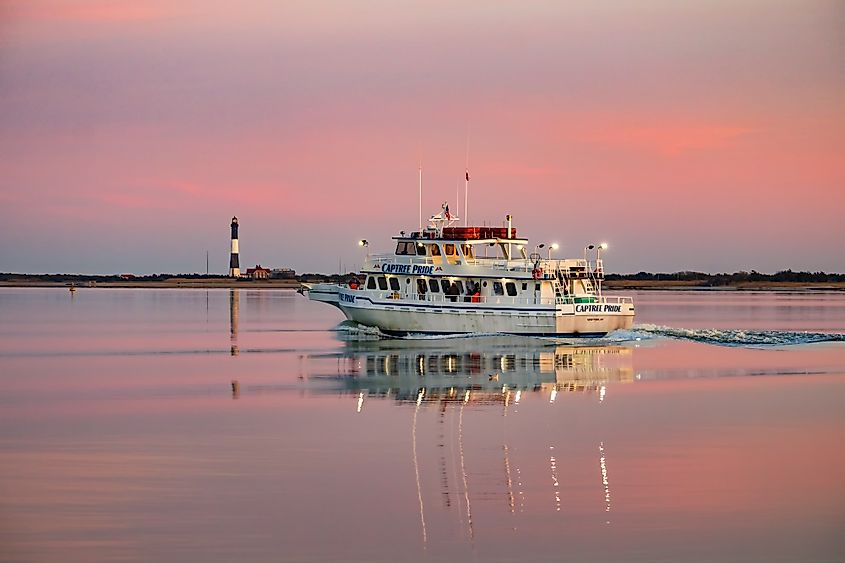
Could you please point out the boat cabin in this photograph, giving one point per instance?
(462, 245)
(476, 265)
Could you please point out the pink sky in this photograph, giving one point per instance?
(696, 135)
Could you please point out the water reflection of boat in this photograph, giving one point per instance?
(472, 426)
(465, 466)
(467, 372)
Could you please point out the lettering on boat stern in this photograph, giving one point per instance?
(597, 308)
(346, 298)
(407, 269)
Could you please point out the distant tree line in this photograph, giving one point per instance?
(80, 278)
(101, 278)
(701, 278)
(715, 280)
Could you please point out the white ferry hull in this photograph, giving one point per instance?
(397, 317)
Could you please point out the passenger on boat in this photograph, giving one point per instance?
(473, 292)
(453, 291)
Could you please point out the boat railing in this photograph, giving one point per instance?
(442, 298)
(379, 259)
(596, 299)
(376, 260)
(483, 299)
(505, 300)
(546, 269)
(618, 299)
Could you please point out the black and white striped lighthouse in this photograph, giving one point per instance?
(234, 262)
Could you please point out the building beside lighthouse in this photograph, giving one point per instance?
(234, 260)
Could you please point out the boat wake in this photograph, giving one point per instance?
(726, 337)
(352, 331)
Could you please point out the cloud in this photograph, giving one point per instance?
(669, 139)
(91, 11)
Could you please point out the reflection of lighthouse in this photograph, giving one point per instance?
(234, 262)
(234, 302)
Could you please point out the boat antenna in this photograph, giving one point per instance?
(466, 185)
(420, 193)
(457, 200)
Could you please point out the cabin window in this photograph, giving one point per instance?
(421, 288)
(394, 283)
(420, 249)
(382, 283)
(472, 287)
(467, 249)
(371, 282)
(497, 288)
(511, 288)
(433, 285)
(402, 248)
(504, 248)
(449, 249)
(451, 289)
(459, 285)
(407, 281)
(536, 287)
(484, 284)
(435, 250)
(524, 287)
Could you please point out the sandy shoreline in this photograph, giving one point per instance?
(746, 286)
(163, 284)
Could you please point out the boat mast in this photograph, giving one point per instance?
(510, 236)
(466, 185)
(466, 191)
(420, 193)
(457, 200)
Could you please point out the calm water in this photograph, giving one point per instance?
(711, 432)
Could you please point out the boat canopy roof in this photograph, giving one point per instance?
(466, 235)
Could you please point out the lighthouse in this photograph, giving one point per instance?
(234, 262)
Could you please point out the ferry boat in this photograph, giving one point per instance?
(447, 279)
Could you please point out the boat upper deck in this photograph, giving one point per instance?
(475, 251)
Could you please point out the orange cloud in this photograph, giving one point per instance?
(92, 11)
(669, 140)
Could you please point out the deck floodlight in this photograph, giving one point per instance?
(602, 246)
(555, 246)
(363, 242)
